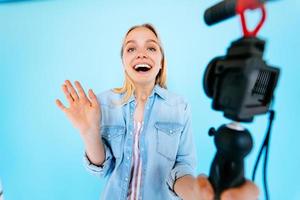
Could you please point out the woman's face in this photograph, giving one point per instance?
(142, 57)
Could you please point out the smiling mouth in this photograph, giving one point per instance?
(142, 67)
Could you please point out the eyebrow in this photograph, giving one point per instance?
(149, 40)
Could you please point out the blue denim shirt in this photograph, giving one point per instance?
(166, 144)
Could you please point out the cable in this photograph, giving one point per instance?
(265, 147)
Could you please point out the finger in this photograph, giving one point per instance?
(72, 90)
(250, 188)
(93, 98)
(60, 105)
(80, 90)
(247, 191)
(206, 187)
(67, 93)
(204, 180)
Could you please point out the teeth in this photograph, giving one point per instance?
(142, 65)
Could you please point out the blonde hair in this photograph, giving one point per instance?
(161, 78)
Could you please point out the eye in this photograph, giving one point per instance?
(131, 49)
(152, 49)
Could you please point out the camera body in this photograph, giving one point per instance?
(240, 83)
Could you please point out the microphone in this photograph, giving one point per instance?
(229, 8)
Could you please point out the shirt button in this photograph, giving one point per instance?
(126, 179)
(171, 131)
(130, 132)
(128, 157)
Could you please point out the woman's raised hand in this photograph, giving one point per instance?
(83, 112)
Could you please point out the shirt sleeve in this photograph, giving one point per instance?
(100, 170)
(185, 163)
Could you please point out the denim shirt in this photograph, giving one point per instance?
(167, 148)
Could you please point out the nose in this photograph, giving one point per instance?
(141, 54)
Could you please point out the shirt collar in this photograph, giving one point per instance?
(159, 91)
(156, 90)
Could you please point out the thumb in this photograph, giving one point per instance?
(205, 187)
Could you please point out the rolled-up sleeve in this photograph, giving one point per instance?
(100, 170)
(185, 163)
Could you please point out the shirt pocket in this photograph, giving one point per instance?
(168, 137)
(113, 135)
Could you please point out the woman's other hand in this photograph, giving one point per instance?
(247, 191)
(194, 188)
(205, 189)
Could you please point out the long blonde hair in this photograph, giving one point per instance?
(161, 78)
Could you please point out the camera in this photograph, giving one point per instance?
(241, 83)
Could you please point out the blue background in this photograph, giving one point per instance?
(42, 43)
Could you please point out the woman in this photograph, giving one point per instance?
(145, 145)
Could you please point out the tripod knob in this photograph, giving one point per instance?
(212, 131)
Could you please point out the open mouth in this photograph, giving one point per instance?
(142, 67)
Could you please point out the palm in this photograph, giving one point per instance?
(83, 116)
(84, 113)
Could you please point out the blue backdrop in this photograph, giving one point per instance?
(42, 43)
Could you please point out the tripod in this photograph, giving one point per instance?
(233, 143)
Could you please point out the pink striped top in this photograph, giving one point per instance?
(136, 166)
